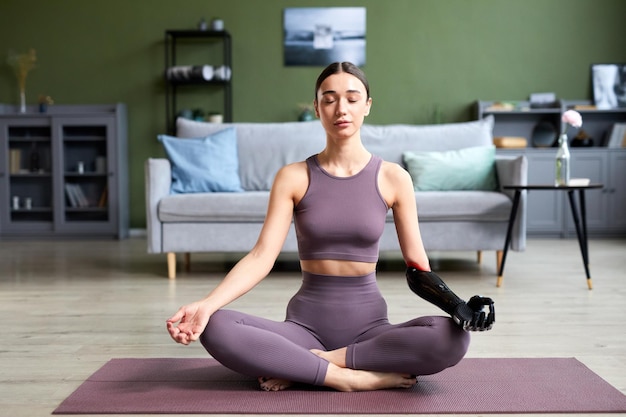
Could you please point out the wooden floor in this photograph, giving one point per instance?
(68, 307)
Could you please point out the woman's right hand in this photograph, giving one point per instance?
(188, 323)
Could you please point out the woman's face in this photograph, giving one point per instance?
(342, 104)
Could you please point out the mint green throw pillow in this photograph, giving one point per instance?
(463, 169)
(208, 164)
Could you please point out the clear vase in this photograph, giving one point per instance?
(562, 162)
(22, 101)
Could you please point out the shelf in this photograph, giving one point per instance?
(35, 214)
(28, 139)
(198, 33)
(522, 122)
(35, 209)
(45, 174)
(86, 174)
(199, 82)
(85, 139)
(88, 209)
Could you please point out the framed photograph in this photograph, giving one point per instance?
(609, 85)
(318, 36)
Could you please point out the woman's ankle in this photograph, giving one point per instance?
(347, 380)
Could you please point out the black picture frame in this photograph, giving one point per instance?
(318, 36)
(608, 82)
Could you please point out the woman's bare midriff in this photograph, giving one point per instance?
(337, 268)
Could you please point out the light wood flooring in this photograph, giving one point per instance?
(69, 307)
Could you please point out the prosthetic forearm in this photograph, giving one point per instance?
(468, 315)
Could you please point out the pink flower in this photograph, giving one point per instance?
(573, 118)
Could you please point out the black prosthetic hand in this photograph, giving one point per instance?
(470, 315)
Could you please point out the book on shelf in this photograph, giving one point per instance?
(81, 196)
(102, 202)
(71, 197)
(578, 182)
(15, 161)
(617, 136)
(75, 195)
(585, 107)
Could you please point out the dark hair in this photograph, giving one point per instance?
(339, 67)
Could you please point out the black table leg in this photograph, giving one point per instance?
(509, 231)
(581, 232)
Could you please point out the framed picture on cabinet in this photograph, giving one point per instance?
(609, 85)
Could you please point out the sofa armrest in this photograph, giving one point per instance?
(158, 177)
(513, 170)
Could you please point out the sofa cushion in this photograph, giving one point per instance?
(482, 206)
(204, 164)
(251, 206)
(214, 207)
(463, 169)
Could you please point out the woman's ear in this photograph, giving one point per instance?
(368, 106)
(317, 112)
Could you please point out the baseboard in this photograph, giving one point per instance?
(137, 233)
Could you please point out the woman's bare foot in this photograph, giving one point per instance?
(274, 384)
(345, 379)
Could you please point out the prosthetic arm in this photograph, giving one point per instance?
(468, 315)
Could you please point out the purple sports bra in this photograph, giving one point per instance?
(341, 218)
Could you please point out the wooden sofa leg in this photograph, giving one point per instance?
(171, 265)
(187, 262)
(479, 257)
(499, 255)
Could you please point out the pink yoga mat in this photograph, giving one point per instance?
(203, 386)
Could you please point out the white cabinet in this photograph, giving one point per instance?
(549, 212)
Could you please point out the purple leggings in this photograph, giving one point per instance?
(327, 313)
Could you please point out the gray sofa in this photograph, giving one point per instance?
(231, 221)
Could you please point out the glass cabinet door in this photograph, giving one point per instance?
(27, 179)
(84, 173)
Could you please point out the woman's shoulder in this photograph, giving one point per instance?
(293, 173)
(294, 168)
(292, 180)
(393, 169)
(394, 181)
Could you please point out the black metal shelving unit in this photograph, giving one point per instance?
(175, 38)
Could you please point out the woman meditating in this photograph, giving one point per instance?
(336, 332)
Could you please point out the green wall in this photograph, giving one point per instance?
(422, 55)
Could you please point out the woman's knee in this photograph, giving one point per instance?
(454, 341)
(217, 330)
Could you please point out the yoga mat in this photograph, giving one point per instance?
(203, 386)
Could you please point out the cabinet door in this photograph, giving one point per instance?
(593, 165)
(616, 191)
(545, 208)
(26, 189)
(84, 176)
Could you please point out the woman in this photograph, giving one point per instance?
(336, 331)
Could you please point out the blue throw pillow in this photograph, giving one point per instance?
(464, 169)
(206, 164)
